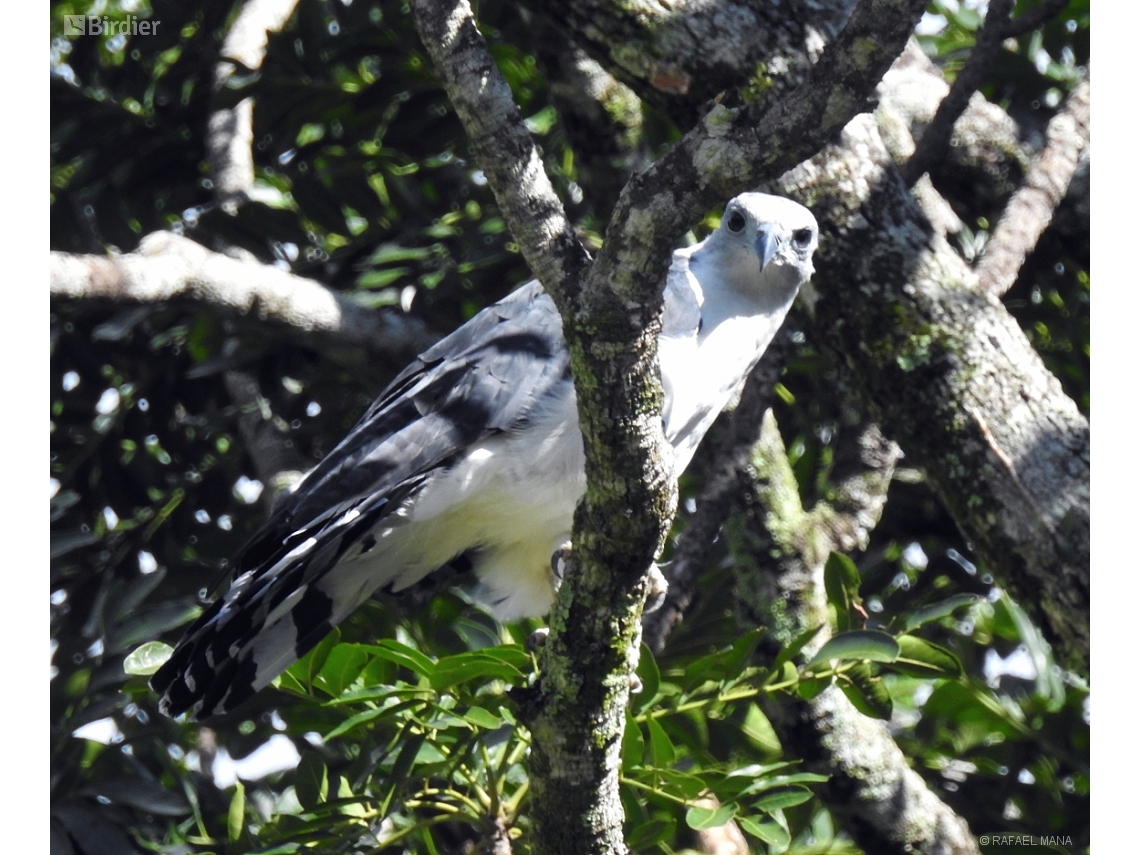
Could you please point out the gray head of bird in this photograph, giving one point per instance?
(762, 248)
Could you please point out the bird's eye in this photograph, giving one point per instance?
(735, 221)
(802, 237)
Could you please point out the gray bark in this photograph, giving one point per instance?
(167, 267)
(780, 550)
(610, 310)
(1031, 209)
(954, 380)
(229, 135)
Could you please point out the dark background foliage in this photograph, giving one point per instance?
(365, 183)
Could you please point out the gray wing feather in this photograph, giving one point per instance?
(483, 379)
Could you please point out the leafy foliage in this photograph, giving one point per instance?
(403, 722)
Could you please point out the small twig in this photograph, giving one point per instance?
(998, 27)
(1034, 18)
(935, 140)
(277, 463)
(1031, 208)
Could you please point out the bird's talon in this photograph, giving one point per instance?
(559, 561)
(537, 639)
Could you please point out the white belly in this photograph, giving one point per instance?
(509, 504)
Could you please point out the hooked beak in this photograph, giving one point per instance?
(767, 244)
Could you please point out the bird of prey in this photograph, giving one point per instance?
(473, 455)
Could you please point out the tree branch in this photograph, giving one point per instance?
(502, 145)
(1031, 209)
(936, 140)
(169, 267)
(781, 550)
(679, 55)
(277, 464)
(610, 324)
(229, 133)
(994, 31)
(951, 376)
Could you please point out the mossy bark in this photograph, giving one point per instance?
(954, 381)
(780, 550)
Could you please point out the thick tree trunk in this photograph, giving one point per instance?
(954, 381)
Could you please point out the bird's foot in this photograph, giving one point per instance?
(560, 562)
(657, 586)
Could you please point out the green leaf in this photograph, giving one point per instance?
(736, 660)
(353, 808)
(401, 768)
(773, 781)
(387, 253)
(760, 731)
(304, 670)
(149, 622)
(341, 668)
(723, 665)
(312, 782)
(391, 711)
(403, 655)
(841, 582)
(679, 784)
(145, 660)
(140, 793)
(810, 688)
(473, 665)
(483, 718)
(650, 677)
(632, 744)
(793, 649)
(359, 719)
(771, 833)
(381, 278)
(922, 658)
(664, 754)
(699, 816)
(235, 821)
(648, 834)
(939, 610)
(785, 798)
(858, 644)
(867, 693)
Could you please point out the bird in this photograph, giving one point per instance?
(472, 457)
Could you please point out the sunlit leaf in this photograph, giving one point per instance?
(145, 660)
(698, 816)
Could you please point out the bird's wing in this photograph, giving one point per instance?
(677, 346)
(483, 379)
